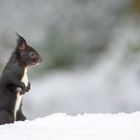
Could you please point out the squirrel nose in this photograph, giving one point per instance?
(40, 59)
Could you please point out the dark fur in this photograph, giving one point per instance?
(10, 80)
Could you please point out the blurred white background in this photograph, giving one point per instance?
(91, 52)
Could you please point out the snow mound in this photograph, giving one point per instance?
(81, 127)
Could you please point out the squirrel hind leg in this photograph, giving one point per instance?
(20, 116)
(6, 117)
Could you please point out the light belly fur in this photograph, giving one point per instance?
(19, 97)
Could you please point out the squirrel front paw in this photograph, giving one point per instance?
(19, 90)
(22, 91)
(28, 87)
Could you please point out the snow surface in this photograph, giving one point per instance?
(81, 127)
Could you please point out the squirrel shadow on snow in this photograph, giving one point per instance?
(14, 81)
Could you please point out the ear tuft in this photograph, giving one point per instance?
(21, 43)
(20, 40)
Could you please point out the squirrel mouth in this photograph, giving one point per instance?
(37, 61)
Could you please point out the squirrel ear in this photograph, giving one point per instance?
(21, 43)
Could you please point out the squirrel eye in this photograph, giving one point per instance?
(32, 54)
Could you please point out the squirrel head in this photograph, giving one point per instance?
(27, 55)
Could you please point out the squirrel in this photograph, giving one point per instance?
(14, 81)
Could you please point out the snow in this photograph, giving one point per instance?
(81, 127)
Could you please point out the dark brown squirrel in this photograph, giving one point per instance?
(14, 81)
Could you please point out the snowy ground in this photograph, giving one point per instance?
(81, 127)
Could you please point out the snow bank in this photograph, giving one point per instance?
(81, 127)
